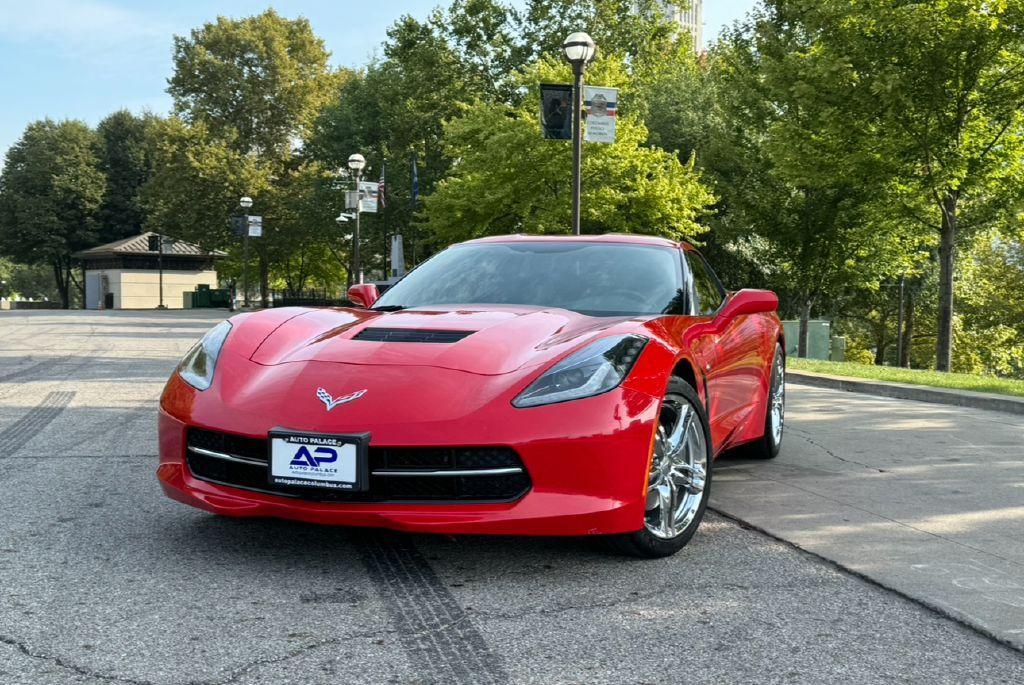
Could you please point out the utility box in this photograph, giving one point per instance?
(838, 353)
(819, 334)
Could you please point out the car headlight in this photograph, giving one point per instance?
(595, 369)
(196, 368)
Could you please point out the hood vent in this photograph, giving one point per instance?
(410, 335)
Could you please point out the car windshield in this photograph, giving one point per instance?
(596, 279)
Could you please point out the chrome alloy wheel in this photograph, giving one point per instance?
(778, 399)
(675, 486)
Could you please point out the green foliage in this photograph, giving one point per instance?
(248, 92)
(627, 186)
(125, 156)
(471, 53)
(955, 381)
(26, 281)
(197, 182)
(940, 83)
(50, 191)
(792, 172)
(258, 82)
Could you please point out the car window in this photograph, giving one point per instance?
(709, 292)
(597, 279)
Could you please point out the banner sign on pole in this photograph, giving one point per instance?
(238, 225)
(602, 106)
(368, 191)
(556, 111)
(255, 226)
(351, 199)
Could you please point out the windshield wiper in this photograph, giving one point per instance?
(389, 308)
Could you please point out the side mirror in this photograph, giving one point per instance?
(363, 295)
(749, 301)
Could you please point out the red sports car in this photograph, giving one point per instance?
(516, 385)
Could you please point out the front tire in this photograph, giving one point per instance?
(679, 479)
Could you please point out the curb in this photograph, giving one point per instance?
(905, 391)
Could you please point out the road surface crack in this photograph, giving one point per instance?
(832, 454)
(66, 665)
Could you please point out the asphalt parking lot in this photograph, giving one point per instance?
(106, 581)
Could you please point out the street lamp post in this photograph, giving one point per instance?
(160, 265)
(245, 203)
(580, 50)
(357, 163)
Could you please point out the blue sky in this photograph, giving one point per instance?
(86, 58)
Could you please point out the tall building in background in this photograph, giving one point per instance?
(690, 18)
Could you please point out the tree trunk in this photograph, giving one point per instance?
(880, 346)
(62, 284)
(908, 330)
(947, 265)
(264, 281)
(805, 317)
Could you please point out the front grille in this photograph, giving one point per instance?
(410, 335)
(248, 469)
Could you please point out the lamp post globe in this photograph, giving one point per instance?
(245, 202)
(579, 48)
(356, 162)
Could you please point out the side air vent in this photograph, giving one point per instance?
(410, 335)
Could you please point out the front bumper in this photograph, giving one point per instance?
(587, 461)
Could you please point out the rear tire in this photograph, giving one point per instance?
(768, 446)
(679, 480)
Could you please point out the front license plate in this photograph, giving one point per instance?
(312, 460)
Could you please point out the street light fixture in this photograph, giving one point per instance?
(580, 49)
(245, 203)
(357, 163)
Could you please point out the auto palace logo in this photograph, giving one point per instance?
(304, 458)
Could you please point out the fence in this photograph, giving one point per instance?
(307, 298)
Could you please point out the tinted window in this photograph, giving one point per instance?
(709, 292)
(597, 279)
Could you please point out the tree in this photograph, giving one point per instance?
(258, 82)
(250, 89)
(196, 184)
(125, 156)
(472, 51)
(791, 169)
(50, 191)
(627, 186)
(943, 84)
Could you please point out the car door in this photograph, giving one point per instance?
(734, 378)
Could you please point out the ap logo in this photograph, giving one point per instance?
(324, 455)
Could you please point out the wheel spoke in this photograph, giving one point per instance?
(677, 439)
(666, 503)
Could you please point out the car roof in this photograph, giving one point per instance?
(608, 238)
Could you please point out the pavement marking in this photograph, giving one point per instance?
(37, 418)
(441, 641)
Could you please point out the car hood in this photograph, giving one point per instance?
(496, 340)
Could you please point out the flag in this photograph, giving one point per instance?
(380, 188)
(415, 182)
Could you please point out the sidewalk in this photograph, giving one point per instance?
(925, 499)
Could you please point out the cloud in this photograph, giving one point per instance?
(96, 31)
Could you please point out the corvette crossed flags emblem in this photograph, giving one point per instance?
(332, 402)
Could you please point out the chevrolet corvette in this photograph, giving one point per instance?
(516, 385)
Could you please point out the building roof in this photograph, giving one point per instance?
(139, 245)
